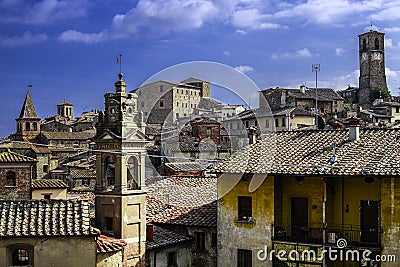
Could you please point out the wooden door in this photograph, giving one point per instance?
(369, 221)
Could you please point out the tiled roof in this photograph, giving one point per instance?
(36, 218)
(11, 157)
(85, 135)
(190, 146)
(28, 109)
(185, 166)
(189, 201)
(24, 146)
(83, 174)
(324, 94)
(109, 244)
(48, 183)
(310, 153)
(164, 237)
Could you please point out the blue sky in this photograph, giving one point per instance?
(67, 49)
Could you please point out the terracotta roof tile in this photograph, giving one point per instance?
(83, 174)
(109, 244)
(44, 218)
(309, 153)
(48, 183)
(11, 157)
(164, 237)
(189, 201)
(85, 135)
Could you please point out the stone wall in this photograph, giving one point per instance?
(22, 188)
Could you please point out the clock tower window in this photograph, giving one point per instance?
(132, 175)
(110, 172)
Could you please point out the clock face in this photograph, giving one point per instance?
(377, 56)
(364, 56)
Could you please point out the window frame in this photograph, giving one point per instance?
(245, 208)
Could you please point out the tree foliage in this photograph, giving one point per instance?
(380, 92)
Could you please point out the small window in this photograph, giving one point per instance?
(364, 44)
(161, 104)
(244, 258)
(214, 240)
(34, 126)
(177, 104)
(172, 259)
(244, 208)
(209, 131)
(27, 126)
(376, 43)
(397, 109)
(161, 88)
(142, 104)
(11, 179)
(108, 224)
(200, 241)
(20, 257)
(322, 110)
(45, 168)
(46, 196)
(85, 182)
(276, 123)
(266, 123)
(283, 122)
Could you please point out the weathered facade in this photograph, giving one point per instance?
(307, 190)
(164, 101)
(15, 176)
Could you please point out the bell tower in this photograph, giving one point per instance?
(28, 124)
(120, 164)
(372, 65)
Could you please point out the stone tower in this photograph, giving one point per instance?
(66, 110)
(28, 124)
(120, 164)
(372, 65)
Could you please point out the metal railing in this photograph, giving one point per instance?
(314, 235)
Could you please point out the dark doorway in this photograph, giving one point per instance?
(300, 211)
(369, 221)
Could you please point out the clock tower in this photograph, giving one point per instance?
(120, 171)
(372, 65)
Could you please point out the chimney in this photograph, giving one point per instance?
(252, 132)
(302, 89)
(149, 232)
(354, 130)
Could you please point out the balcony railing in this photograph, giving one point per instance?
(312, 235)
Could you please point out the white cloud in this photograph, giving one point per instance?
(342, 82)
(227, 53)
(42, 12)
(88, 38)
(252, 19)
(240, 32)
(244, 68)
(393, 80)
(162, 17)
(305, 52)
(393, 29)
(388, 43)
(340, 51)
(27, 38)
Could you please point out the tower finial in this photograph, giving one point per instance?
(371, 25)
(119, 61)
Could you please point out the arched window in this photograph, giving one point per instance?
(110, 171)
(27, 126)
(364, 44)
(376, 43)
(132, 174)
(11, 179)
(34, 126)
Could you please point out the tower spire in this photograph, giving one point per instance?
(28, 109)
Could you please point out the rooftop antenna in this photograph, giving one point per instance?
(119, 61)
